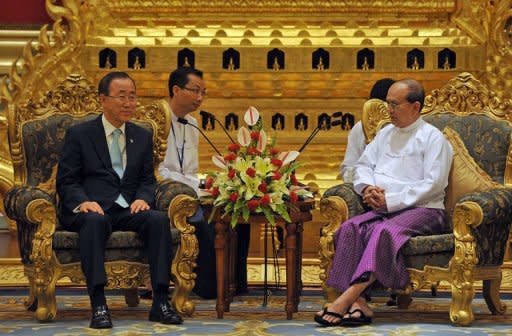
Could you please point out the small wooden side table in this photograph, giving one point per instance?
(225, 252)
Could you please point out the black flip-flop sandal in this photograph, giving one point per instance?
(355, 321)
(320, 319)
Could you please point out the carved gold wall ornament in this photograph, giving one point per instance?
(415, 64)
(124, 8)
(42, 65)
(108, 65)
(301, 126)
(231, 65)
(446, 64)
(486, 21)
(278, 126)
(185, 62)
(320, 65)
(275, 65)
(136, 65)
(365, 65)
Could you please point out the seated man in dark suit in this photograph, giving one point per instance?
(106, 183)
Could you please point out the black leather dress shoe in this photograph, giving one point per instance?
(164, 314)
(100, 318)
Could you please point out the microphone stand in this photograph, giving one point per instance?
(209, 114)
(185, 122)
(309, 139)
(315, 132)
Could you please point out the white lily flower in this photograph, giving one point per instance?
(241, 165)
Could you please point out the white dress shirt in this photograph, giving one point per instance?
(186, 135)
(356, 144)
(411, 164)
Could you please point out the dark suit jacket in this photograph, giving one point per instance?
(85, 170)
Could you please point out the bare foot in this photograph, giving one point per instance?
(338, 307)
(361, 305)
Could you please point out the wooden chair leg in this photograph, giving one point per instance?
(131, 297)
(491, 293)
(403, 301)
(433, 288)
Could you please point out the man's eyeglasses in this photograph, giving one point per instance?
(196, 91)
(130, 98)
(393, 106)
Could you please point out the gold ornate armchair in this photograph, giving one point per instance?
(475, 248)
(49, 253)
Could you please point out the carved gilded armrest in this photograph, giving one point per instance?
(35, 214)
(182, 207)
(180, 202)
(484, 218)
(337, 205)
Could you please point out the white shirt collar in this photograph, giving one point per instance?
(411, 127)
(109, 128)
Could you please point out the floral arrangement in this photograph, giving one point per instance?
(256, 177)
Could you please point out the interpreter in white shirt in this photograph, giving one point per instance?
(186, 94)
(356, 141)
(181, 162)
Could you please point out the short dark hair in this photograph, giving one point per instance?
(416, 91)
(104, 84)
(380, 88)
(180, 77)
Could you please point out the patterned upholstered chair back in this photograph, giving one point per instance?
(42, 144)
(487, 140)
(37, 128)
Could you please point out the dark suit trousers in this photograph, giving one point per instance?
(206, 281)
(94, 230)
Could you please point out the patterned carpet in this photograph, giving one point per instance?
(426, 316)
